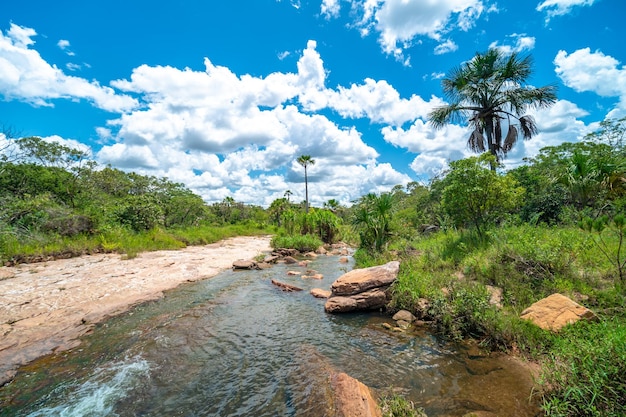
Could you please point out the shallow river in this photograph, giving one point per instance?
(236, 345)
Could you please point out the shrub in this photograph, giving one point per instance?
(303, 243)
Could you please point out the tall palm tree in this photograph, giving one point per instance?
(488, 92)
(306, 160)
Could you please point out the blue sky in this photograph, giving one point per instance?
(223, 96)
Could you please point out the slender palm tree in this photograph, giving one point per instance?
(488, 92)
(288, 194)
(306, 160)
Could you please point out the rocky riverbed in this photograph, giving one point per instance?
(46, 307)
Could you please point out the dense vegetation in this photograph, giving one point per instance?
(555, 224)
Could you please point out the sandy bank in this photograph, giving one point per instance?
(46, 307)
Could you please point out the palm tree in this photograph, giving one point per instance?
(306, 160)
(488, 92)
(288, 194)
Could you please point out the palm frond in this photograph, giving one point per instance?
(528, 126)
(476, 141)
(511, 138)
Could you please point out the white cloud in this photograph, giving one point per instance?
(330, 8)
(224, 134)
(584, 70)
(26, 76)
(561, 7)
(400, 22)
(446, 47)
(63, 44)
(522, 43)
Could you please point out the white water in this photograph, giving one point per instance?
(98, 396)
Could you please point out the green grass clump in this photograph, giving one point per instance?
(395, 405)
(303, 243)
(586, 372)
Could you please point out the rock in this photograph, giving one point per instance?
(286, 287)
(263, 265)
(321, 250)
(314, 276)
(352, 397)
(387, 326)
(311, 255)
(343, 260)
(294, 273)
(243, 264)
(496, 296)
(403, 324)
(320, 293)
(360, 280)
(555, 312)
(405, 316)
(270, 259)
(423, 305)
(289, 260)
(372, 299)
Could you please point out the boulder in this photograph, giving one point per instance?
(352, 397)
(343, 260)
(290, 260)
(320, 293)
(372, 299)
(495, 296)
(243, 264)
(313, 276)
(404, 315)
(321, 250)
(270, 259)
(360, 280)
(555, 312)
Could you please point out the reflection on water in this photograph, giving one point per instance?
(235, 345)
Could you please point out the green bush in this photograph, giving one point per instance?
(303, 243)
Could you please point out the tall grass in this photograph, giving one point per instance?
(29, 247)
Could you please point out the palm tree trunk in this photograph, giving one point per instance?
(306, 192)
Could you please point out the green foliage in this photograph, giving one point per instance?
(612, 246)
(141, 213)
(490, 91)
(474, 194)
(585, 374)
(395, 405)
(373, 220)
(303, 243)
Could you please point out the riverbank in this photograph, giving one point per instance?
(46, 307)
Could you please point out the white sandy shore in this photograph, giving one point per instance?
(46, 307)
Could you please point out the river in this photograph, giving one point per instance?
(236, 345)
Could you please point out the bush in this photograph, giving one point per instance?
(303, 243)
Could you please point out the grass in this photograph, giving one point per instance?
(583, 364)
(17, 249)
(395, 405)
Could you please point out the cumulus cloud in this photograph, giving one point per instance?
(561, 7)
(583, 70)
(225, 134)
(26, 76)
(400, 22)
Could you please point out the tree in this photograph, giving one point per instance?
(476, 195)
(306, 160)
(287, 195)
(489, 92)
(373, 219)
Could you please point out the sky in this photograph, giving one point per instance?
(223, 96)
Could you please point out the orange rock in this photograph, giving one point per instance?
(555, 312)
(352, 397)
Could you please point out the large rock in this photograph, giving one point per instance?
(367, 300)
(359, 280)
(244, 264)
(352, 397)
(555, 312)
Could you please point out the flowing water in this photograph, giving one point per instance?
(236, 345)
